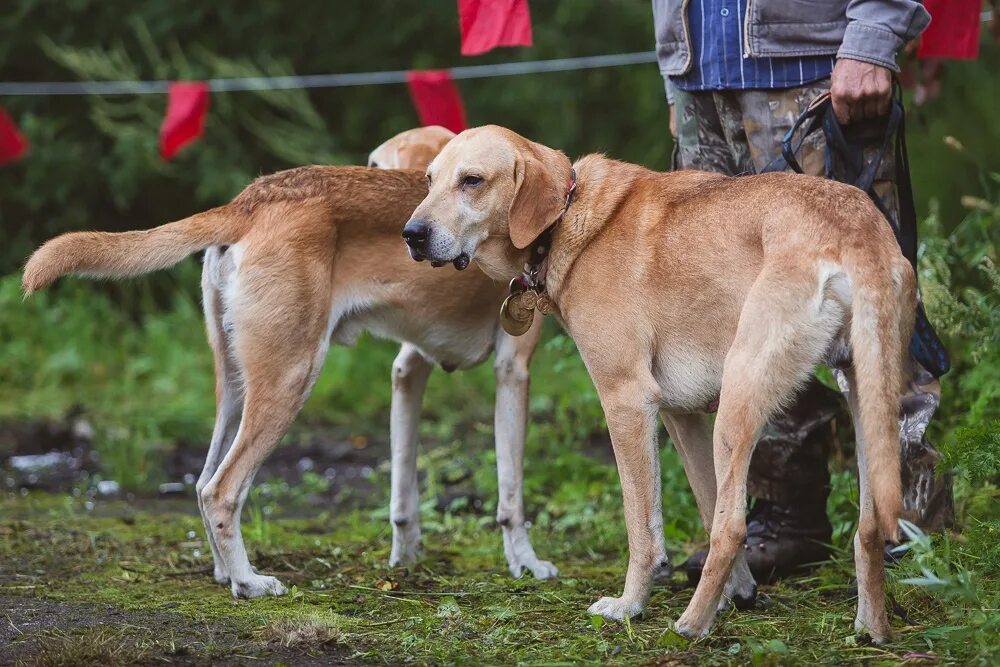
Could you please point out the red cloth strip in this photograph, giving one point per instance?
(436, 99)
(954, 30)
(187, 106)
(13, 144)
(487, 24)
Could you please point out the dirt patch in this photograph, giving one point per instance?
(37, 631)
(316, 468)
(58, 456)
(346, 463)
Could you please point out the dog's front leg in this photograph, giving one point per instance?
(631, 407)
(410, 371)
(513, 357)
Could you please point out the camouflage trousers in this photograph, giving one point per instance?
(739, 132)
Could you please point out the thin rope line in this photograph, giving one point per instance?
(334, 80)
(323, 80)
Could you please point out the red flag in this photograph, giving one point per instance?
(487, 24)
(13, 144)
(187, 106)
(436, 98)
(954, 30)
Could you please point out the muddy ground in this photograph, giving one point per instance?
(54, 463)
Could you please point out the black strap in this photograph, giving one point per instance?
(925, 345)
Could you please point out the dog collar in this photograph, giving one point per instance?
(527, 291)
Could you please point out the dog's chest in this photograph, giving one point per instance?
(689, 379)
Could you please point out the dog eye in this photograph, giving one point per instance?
(471, 181)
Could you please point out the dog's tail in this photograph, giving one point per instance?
(109, 255)
(882, 316)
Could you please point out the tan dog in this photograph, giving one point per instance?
(685, 289)
(298, 259)
(412, 149)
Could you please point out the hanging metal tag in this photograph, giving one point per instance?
(518, 312)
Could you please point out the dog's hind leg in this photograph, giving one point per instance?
(216, 273)
(787, 323)
(692, 438)
(410, 371)
(282, 319)
(513, 356)
(868, 543)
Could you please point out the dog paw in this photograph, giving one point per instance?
(690, 629)
(520, 555)
(404, 554)
(220, 576)
(540, 569)
(543, 569)
(615, 609)
(405, 543)
(879, 636)
(258, 586)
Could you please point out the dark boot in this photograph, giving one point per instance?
(779, 540)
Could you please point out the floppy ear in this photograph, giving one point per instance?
(541, 182)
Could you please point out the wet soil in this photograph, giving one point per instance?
(40, 631)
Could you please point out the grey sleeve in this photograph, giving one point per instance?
(669, 89)
(878, 29)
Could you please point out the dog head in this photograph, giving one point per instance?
(491, 194)
(412, 149)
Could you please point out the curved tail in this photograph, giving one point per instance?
(110, 255)
(882, 320)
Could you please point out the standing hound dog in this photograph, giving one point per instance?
(683, 290)
(298, 259)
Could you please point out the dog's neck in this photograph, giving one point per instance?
(598, 195)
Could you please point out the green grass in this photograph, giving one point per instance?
(458, 605)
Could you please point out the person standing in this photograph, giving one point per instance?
(738, 73)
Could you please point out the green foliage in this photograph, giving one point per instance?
(969, 597)
(73, 347)
(961, 288)
(975, 450)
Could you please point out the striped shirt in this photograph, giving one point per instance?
(716, 32)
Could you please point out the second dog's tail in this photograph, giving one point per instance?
(111, 255)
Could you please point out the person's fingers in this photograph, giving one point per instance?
(882, 104)
(841, 109)
(869, 108)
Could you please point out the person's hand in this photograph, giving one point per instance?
(859, 90)
(673, 121)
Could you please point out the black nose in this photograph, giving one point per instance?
(416, 233)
